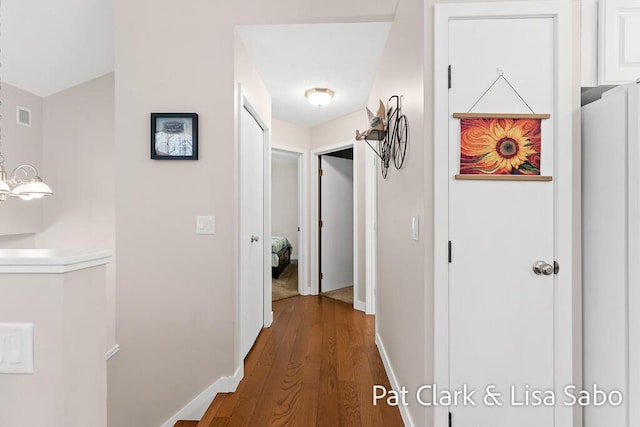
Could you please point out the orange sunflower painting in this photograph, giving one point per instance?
(500, 146)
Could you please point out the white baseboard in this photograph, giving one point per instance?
(270, 320)
(304, 292)
(359, 305)
(195, 409)
(404, 410)
(112, 351)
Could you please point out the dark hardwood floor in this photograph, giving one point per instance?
(315, 366)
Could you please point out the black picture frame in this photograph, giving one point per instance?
(174, 136)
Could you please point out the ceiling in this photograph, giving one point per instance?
(294, 58)
(48, 46)
(51, 45)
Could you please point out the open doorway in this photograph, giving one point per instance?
(287, 241)
(336, 226)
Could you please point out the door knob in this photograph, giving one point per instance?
(541, 268)
(254, 239)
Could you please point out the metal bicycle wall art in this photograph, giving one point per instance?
(390, 128)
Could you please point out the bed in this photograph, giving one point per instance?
(280, 255)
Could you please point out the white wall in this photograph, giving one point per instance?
(18, 241)
(68, 385)
(289, 135)
(20, 145)
(78, 147)
(404, 288)
(284, 198)
(176, 291)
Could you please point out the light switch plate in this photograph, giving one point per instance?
(205, 225)
(16, 348)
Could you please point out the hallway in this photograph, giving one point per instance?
(316, 365)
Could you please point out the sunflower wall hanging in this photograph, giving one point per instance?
(500, 146)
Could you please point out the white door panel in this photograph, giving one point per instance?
(337, 218)
(251, 224)
(501, 329)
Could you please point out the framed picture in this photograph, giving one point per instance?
(174, 136)
(498, 145)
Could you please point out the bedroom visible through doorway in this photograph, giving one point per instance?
(285, 223)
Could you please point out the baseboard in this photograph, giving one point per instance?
(360, 305)
(404, 410)
(195, 409)
(269, 320)
(304, 292)
(112, 351)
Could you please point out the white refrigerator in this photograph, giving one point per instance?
(611, 254)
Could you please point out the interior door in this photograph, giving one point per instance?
(251, 230)
(501, 327)
(336, 214)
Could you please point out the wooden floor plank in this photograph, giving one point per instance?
(328, 405)
(289, 400)
(211, 412)
(315, 366)
(260, 403)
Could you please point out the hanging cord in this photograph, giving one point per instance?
(501, 76)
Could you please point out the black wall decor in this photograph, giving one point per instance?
(392, 144)
(174, 136)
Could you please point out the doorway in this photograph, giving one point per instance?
(497, 321)
(336, 225)
(288, 223)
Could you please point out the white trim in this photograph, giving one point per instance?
(113, 351)
(393, 381)
(50, 261)
(370, 234)
(356, 227)
(564, 340)
(360, 305)
(303, 215)
(195, 409)
(267, 313)
(313, 252)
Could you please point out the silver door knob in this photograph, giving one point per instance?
(254, 239)
(541, 268)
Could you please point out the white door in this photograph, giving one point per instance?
(251, 230)
(336, 214)
(501, 327)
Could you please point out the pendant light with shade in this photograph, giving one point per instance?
(24, 181)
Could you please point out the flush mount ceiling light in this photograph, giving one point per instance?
(23, 182)
(319, 96)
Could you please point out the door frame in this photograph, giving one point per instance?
(303, 215)
(245, 103)
(314, 253)
(567, 354)
(370, 227)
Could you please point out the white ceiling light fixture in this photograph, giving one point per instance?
(24, 181)
(319, 97)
